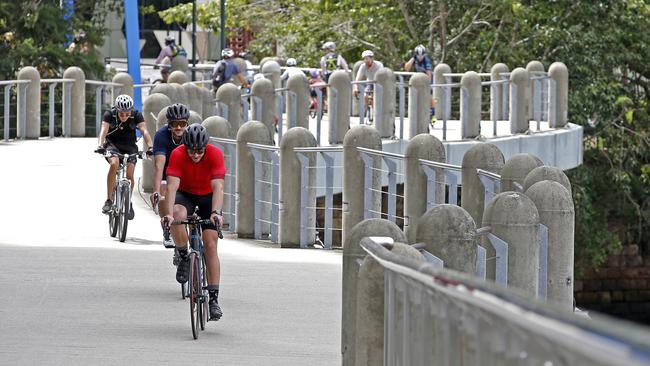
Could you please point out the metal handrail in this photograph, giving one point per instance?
(11, 82)
(263, 147)
(488, 174)
(319, 149)
(380, 153)
(104, 83)
(435, 164)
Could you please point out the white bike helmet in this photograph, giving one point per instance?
(227, 52)
(291, 61)
(329, 46)
(367, 53)
(124, 103)
(419, 50)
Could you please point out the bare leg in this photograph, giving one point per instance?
(110, 178)
(213, 265)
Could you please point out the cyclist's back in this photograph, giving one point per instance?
(331, 61)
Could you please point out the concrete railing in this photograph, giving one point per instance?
(430, 316)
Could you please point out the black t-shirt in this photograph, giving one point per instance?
(122, 134)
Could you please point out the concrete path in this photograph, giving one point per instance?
(71, 295)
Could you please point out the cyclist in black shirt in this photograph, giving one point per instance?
(118, 135)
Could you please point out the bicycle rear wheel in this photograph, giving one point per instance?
(125, 205)
(195, 288)
(112, 215)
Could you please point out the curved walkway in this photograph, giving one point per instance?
(72, 295)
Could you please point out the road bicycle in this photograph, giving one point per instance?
(118, 220)
(196, 288)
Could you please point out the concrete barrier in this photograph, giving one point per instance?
(151, 107)
(515, 170)
(298, 115)
(180, 64)
(255, 132)
(427, 147)
(194, 99)
(439, 78)
(241, 65)
(547, 173)
(271, 70)
(470, 105)
(555, 207)
(267, 109)
(534, 68)
(385, 103)
(419, 104)
(178, 77)
(513, 218)
(355, 101)
(352, 256)
(354, 175)
(217, 126)
(480, 156)
(121, 78)
(228, 95)
(558, 94)
(195, 118)
(32, 109)
(338, 106)
(498, 93)
(166, 89)
(179, 93)
(369, 340)
(207, 98)
(78, 118)
(519, 100)
(161, 118)
(291, 187)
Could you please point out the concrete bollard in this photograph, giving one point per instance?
(241, 65)
(267, 109)
(180, 64)
(180, 93)
(166, 89)
(194, 99)
(354, 195)
(228, 95)
(338, 106)
(419, 104)
(514, 219)
(217, 126)
(298, 115)
(207, 98)
(385, 108)
(125, 80)
(353, 254)
(355, 101)
(498, 93)
(547, 173)
(291, 187)
(519, 100)
(516, 169)
(271, 70)
(555, 207)
(442, 94)
(558, 94)
(480, 156)
(255, 132)
(534, 68)
(151, 107)
(178, 77)
(78, 117)
(449, 233)
(427, 147)
(161, 118)
(369, 340)
(194, 118)
(32, 102)
(470, 105)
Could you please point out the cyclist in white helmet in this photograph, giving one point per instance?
(292, 69)
(226, 69)
(422, 63)
(367, 71)
(331, 61)
(117, 135)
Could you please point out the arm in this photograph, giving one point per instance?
(172, 187)
(147, 138)
(165, 52)
(242, 80)
(103, 132)
(343, 63)
(409, 64)
(217, 199)
(158, 166)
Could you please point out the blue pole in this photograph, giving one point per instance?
(68, 12)
(133, 47)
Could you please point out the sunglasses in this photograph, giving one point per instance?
(176, 124)
(195, 151)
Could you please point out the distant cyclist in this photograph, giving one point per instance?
(166, 139)
(170, 51)
(331, 61)
(225, 70)
(195, 177)
(117, 135)
(422, 63)
(292, 69)
(367, 71)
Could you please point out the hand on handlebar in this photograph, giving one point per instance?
(166, 221)
(149, 151)
(100, 149)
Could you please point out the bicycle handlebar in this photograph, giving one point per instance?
(108, 154)
(198, 221)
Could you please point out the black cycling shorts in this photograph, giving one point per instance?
(133, 159)
(190, 201)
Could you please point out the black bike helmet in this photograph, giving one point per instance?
(177, 112)
(195, 137)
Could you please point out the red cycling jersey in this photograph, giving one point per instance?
(196, 178)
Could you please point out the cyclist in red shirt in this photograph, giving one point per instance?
(195, 177)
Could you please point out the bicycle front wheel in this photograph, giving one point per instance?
(205, 311)
(112, 215)
(125, 205)
(194, 295)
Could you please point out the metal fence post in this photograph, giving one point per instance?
(245, 108)
(431, 185)
(362, 103)
(444, 91)
(275, 197)
(319, 113)
(304, 194)
(329, 197)
(493, 109)
(392, 188)
(452, 181)
(21, 129)
(401, 107)
(542, 239)
(258, 192)
(501, 248)
(7, 109)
